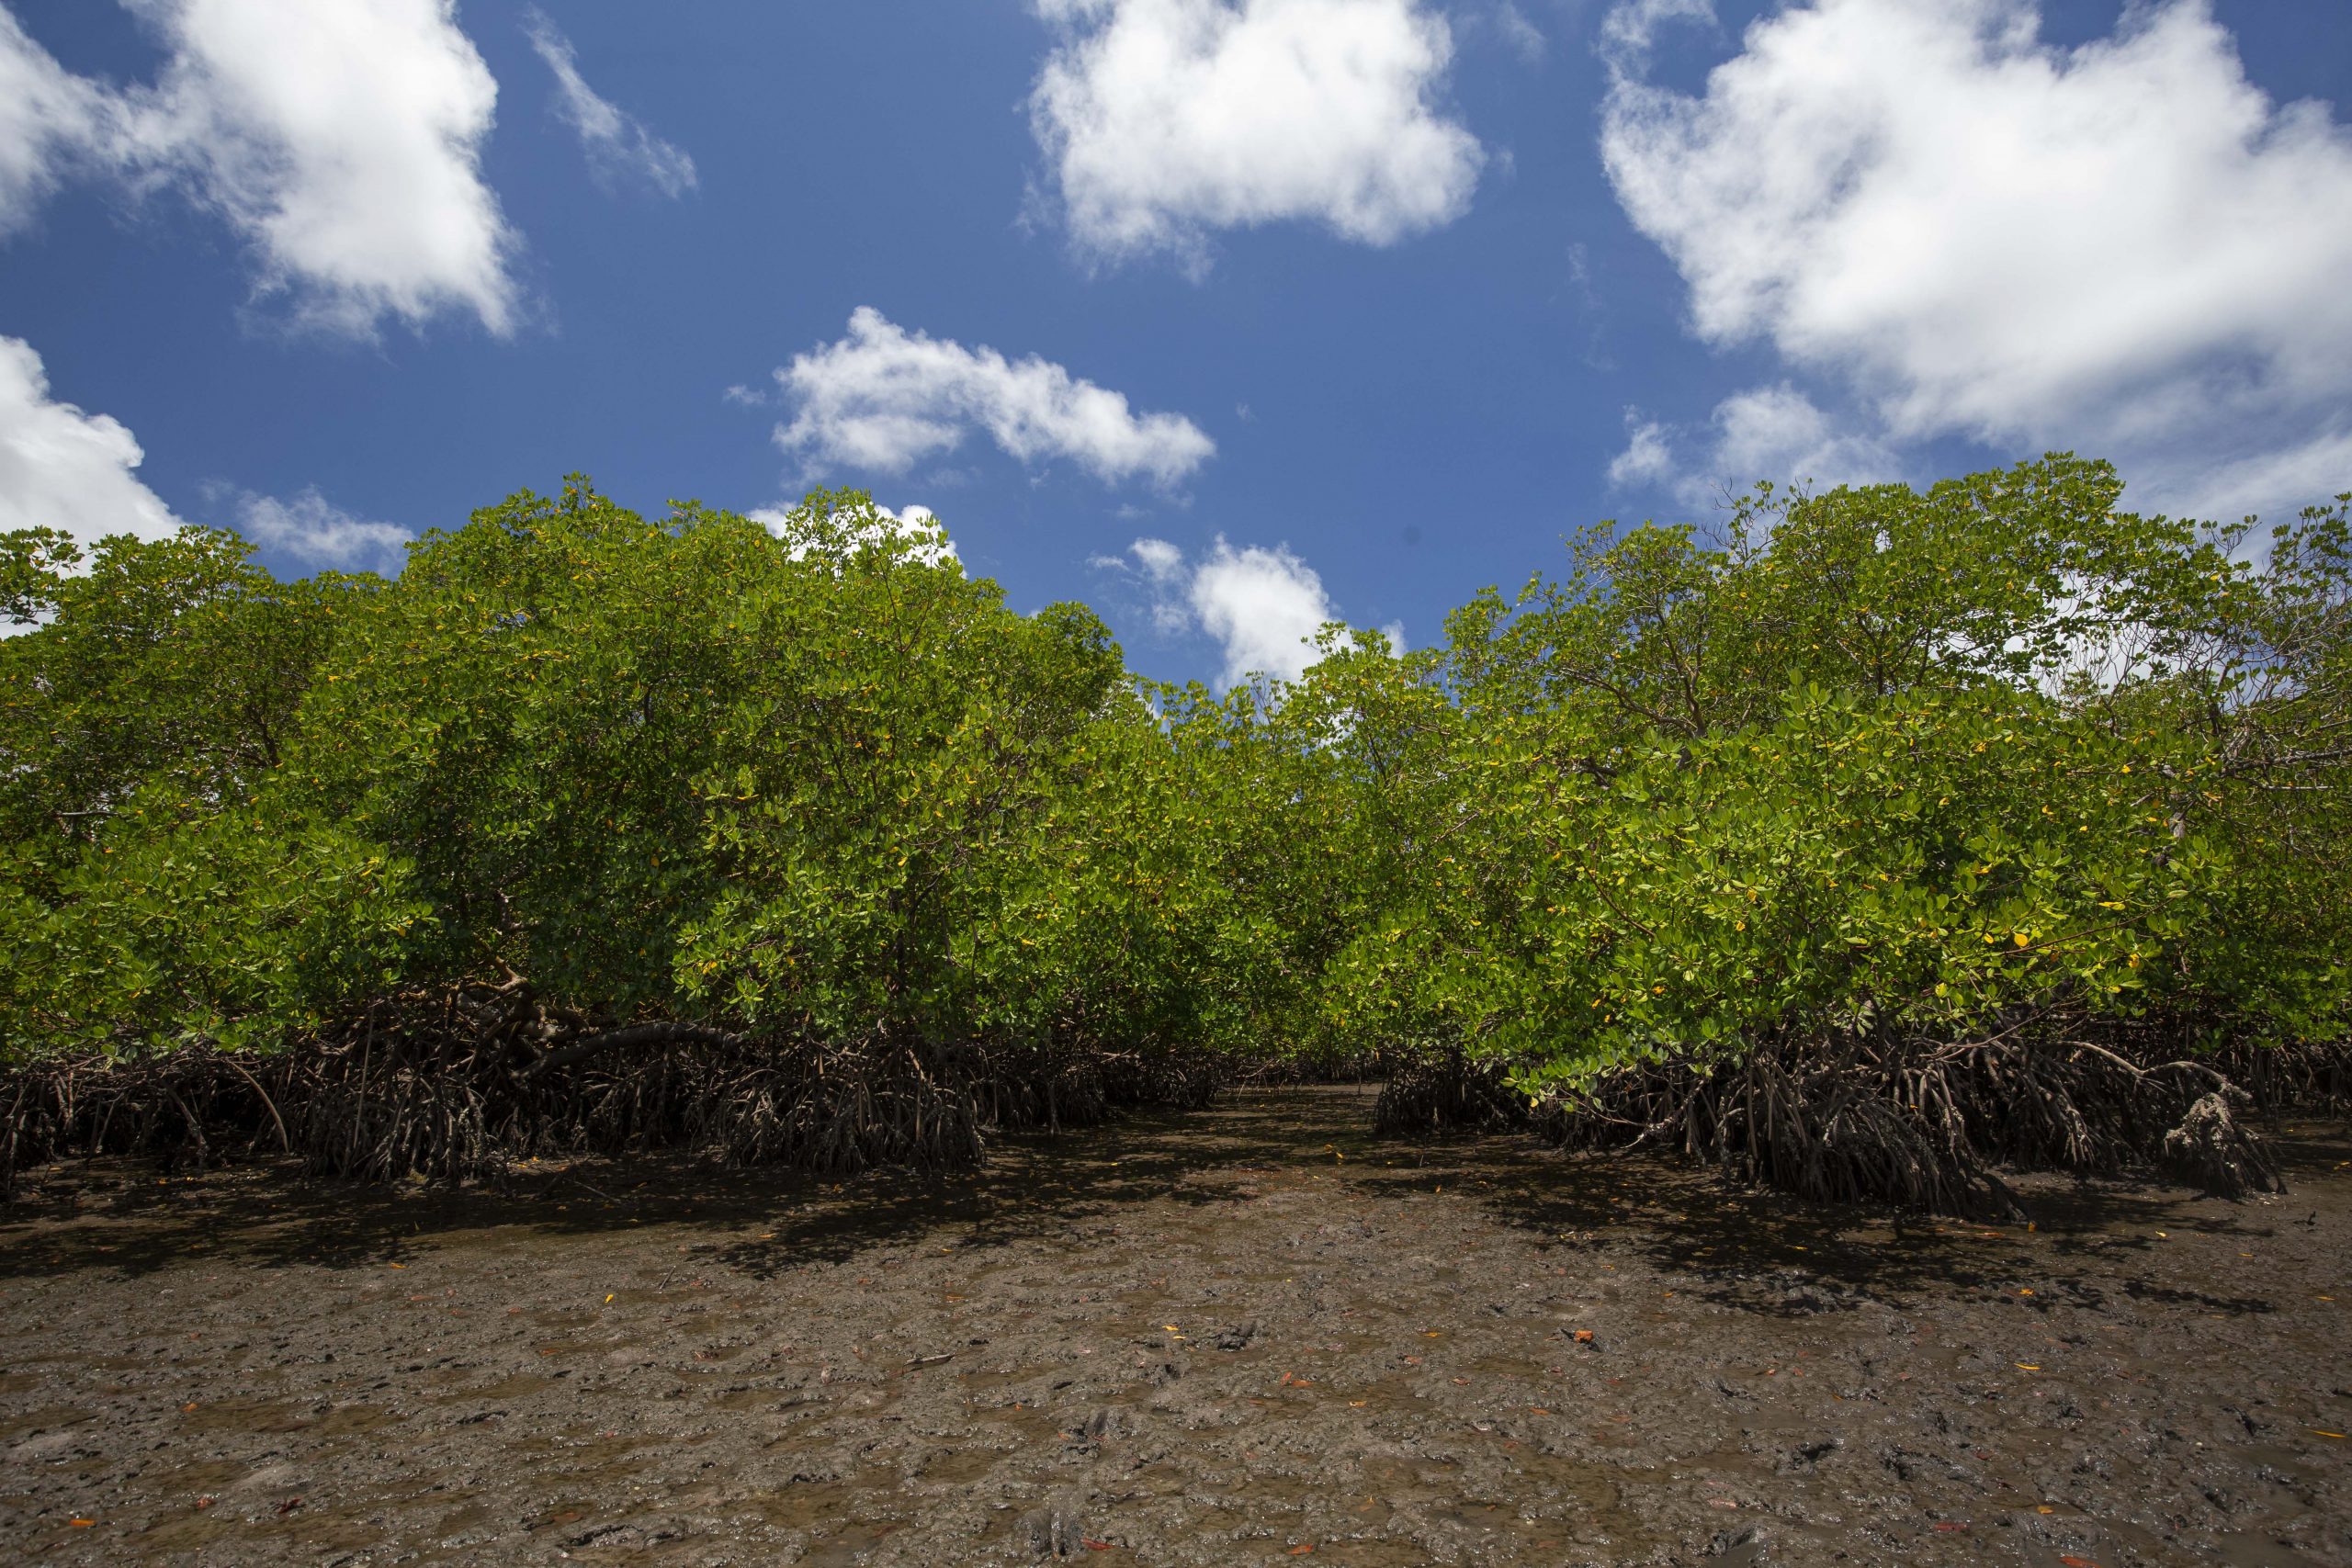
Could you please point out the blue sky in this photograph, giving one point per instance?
(1222, 315)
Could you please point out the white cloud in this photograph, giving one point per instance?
(1164, 120)
(1772, 432)
(1160, 559)
(2276, 484)
(1776, 432)
(1526, 40)
(1629, 32)
(618, 144)
(1262, 605)
(2123, 248)
(1162, 565)
(883, 398)
(312, 530)
(46, 116)
(60, 467)
(342, 141)
(1647, 459)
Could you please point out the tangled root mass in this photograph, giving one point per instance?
(459, 1086)
(1922, 1124)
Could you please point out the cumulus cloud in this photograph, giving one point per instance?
(1163, 119)
(884, 399)
(1160, 560)
(618, 144)
(1649, 457)
(60, 467)
(342, 142)
(1263, 606)
(1776, 432)
(2124, 247)
(314, 530)
(1772, 432)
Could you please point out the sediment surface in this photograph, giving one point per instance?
(1251, 1333)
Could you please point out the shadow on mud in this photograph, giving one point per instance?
(1756, 1251)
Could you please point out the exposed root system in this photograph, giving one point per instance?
(1920, 1124)
(460, 1086)
(1446, 1090)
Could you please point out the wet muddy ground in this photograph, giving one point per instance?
(1246, 1335)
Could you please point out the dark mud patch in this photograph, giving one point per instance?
(1251, 1333)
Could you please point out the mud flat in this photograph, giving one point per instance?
(1251, 1333)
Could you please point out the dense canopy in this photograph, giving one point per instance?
(1885, 834)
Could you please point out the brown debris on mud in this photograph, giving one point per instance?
(1247, 1334)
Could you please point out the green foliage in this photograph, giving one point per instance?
(1921, 765)
(1917, 765)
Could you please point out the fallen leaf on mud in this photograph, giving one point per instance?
(2077, 1563)
(203, 1503)
(1720, 1503)
(1412, 1360)
(185, 1409)
(1948, 1527)
(2318, 1432)
(1539, 1410)
(1584, 1335)
(2025, 1365)
(396, 1266)
(1358, 1404)
(1300, 1550)
(1092, 1545)
(82, 1524)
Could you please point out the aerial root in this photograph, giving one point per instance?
(1920, 1123)
(408, 1090)
(1446, 1090)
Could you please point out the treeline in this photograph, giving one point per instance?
(1886, 836)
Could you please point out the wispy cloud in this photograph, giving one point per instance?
(619, 145)
(312, 530)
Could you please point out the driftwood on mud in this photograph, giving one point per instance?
(462, 1082)
(1922, 1124)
